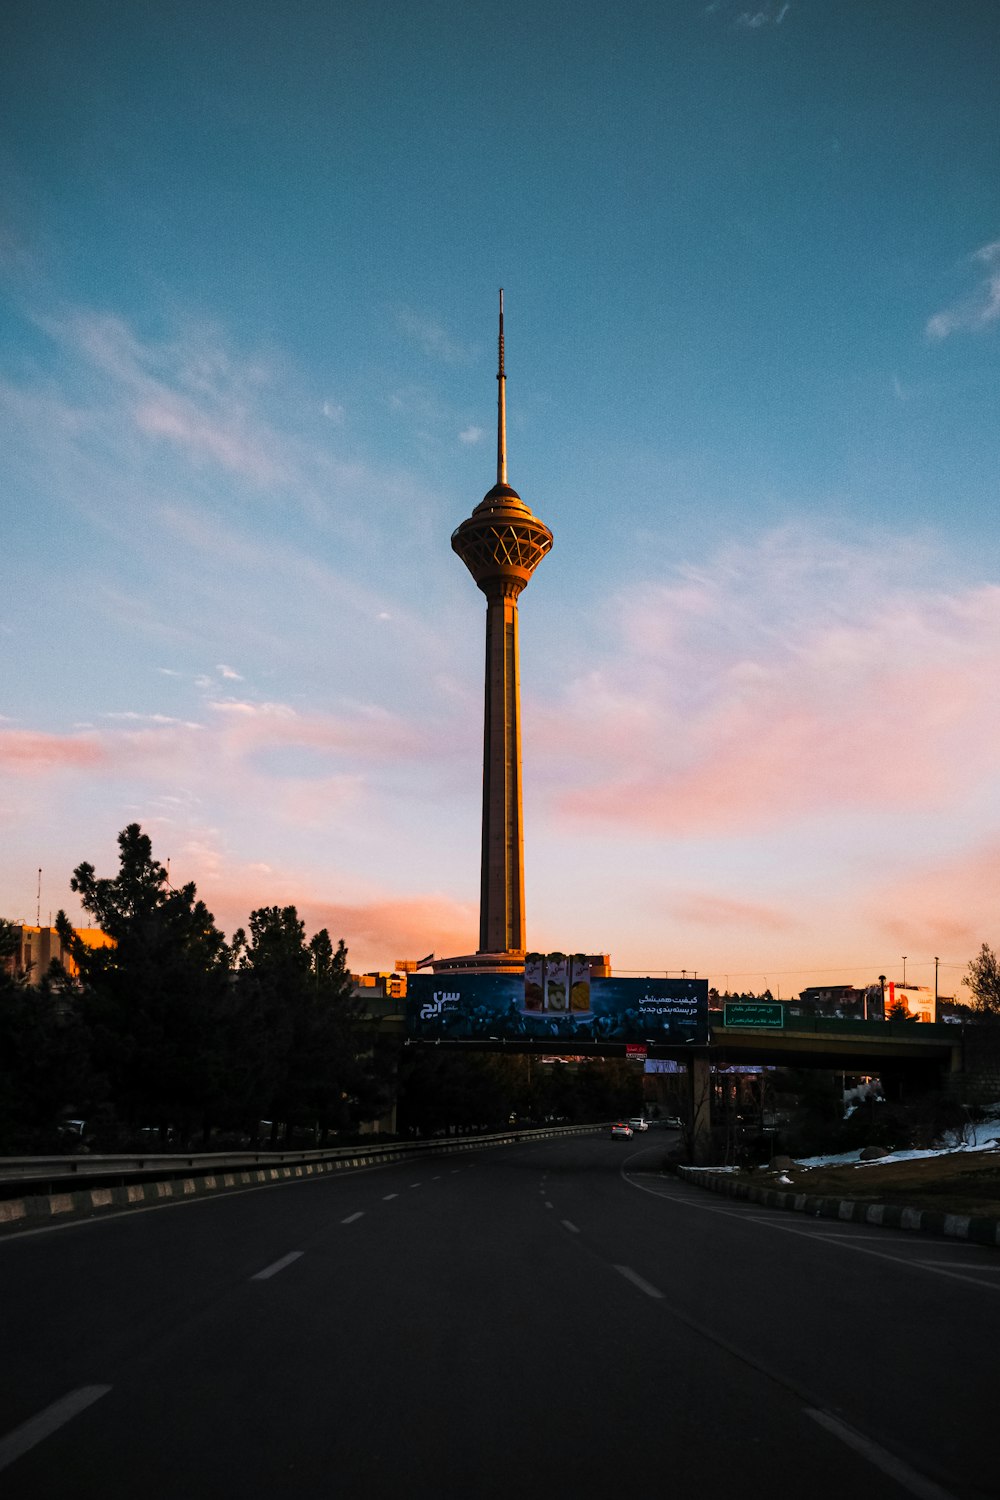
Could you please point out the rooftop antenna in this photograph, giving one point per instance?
(501, 406)
(38, 900)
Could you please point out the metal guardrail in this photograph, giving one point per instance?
(60, 1173)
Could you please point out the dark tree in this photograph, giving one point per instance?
(153, 1000)
(983, 980)
(317, 1064)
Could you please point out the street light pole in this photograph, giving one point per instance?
(904, 971)
(936, 962)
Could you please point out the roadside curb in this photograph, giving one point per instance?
(49, 1208)
(981, 1231)
(42, 1210)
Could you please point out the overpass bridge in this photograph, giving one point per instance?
(843, 1045)
(908, 1056)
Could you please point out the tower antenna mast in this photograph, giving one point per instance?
(501, 405)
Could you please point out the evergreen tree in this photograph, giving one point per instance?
(317, 1068)
(152, 1001)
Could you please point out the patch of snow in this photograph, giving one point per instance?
(981, 1136)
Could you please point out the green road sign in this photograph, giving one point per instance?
(754, 1013)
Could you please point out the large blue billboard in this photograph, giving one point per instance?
(503, 1008)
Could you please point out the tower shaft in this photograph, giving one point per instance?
(501, 906)
(501, 544)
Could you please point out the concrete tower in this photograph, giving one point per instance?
(502, 544)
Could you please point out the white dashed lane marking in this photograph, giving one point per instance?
(570, 1226)
(352, 1218)
(389, 1197)
(32, 1432)
(636, 1280)
(279, 1265)
(908, 1478)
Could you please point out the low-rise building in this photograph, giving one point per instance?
(38, 947)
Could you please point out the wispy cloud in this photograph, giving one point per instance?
(706, 909)
(433, 338)
(155, 421)
(981, 307)
(785, 681)
(944, 905)
(770, 15)
(30, 753)
(470, 435)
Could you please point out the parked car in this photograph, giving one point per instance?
(671, 1122)
(638, 1123)
(622, 1131)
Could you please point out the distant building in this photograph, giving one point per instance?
(838, 1001)
(383, 993)
(847, 1002)
(37, 947)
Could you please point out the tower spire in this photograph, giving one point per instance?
(501, 406)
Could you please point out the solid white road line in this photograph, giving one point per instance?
(352, 1218)
(863, 1246)
(48, 1421)
(571, 1227)
(636, 1280)
(950, 1263)
(279, 1265)
(880, 1458)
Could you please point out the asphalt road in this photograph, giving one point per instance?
(551, 1319)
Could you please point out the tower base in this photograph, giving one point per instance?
(480, 963)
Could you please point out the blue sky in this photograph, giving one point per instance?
(248, 259)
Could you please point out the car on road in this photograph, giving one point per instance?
(638, 1123)
(671, 1122)
(622, 1131)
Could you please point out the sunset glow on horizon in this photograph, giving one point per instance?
(752, 273)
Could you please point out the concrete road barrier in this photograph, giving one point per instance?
(43, 1191)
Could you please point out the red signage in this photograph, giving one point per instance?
(635, 1049)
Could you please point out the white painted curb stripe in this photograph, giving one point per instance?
(48, 1421)
(279, 1265)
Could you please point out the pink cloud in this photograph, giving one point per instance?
(790, 680)
(947, 906)
(709, 910)
(29, 752)
(376, 931)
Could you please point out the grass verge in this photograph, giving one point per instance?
(962, 1182)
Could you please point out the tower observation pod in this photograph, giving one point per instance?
(501, 544)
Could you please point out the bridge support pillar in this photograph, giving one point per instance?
(700, 1112)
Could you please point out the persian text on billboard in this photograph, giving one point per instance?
(503, 1007)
